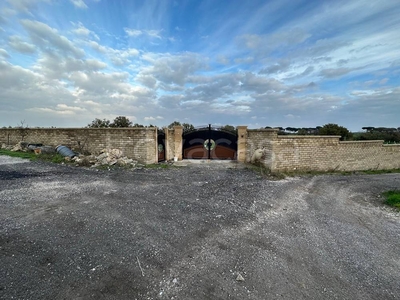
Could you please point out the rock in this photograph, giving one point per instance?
(115, 153)
(239, 277)
(101, 156)
(257, 155)
(18, 147)
(121, 162)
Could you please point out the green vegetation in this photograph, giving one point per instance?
(393, 198)
(334, 129)
(54, 158)
(388, 135)
(28, 155)
(119, 122)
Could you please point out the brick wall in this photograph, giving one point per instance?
(261, 139)
(170, 150)
(282, 153)
(321, 153)
(137, 143)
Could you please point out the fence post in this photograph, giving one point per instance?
(241, 143)
(178, 131)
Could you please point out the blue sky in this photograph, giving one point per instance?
(282, 63)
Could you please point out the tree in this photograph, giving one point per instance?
(334, 129)
(174, 123)
(138, 125)
(187, 126)
(229, 128)
(368, 128)
(292, 129)
(97, 123)
(121, 121)
(23, 129)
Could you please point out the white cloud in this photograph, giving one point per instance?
(119, 57)
(19, 45)
(171, 69)
(153, 118)
(25, 6)
(133, 32)
(137, 32)
(46, 37)
(79, 4)
(4, 53)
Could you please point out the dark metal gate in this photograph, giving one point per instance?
(209, 142)
(161, 145)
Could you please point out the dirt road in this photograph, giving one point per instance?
(197, 232)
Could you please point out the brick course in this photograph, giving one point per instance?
(321, 153)
(282, 153)
(137, 143)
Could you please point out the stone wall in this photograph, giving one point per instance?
(169, 144)
(282, 153)
(320, 153)
(136, 143)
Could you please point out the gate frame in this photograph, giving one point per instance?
(177, 148)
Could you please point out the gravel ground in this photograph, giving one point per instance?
(198, 232)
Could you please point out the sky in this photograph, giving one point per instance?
(286, 63)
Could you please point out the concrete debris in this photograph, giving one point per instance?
(26, 147)
(257, 155)
(21, 146)
(239, 277)
(107, 157)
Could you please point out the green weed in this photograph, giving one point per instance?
(393, 198)
(27, 155)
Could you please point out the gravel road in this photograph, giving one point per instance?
(199, 232)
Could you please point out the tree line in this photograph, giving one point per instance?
(123, 122)
(389, 135)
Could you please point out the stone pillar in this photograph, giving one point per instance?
(156, 139)
(166, 144)
(241, 143)
(178, 131)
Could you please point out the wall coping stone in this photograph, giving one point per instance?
(364, 141)
(80, 128)
(309, 136)
(263, 130)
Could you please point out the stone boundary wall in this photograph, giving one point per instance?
(137, 143)
(281, 152)
(320, 153)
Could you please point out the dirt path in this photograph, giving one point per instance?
(194, 233)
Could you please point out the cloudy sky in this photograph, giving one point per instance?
(299, 63)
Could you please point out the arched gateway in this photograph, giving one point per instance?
(209, 142)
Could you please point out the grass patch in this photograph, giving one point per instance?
(392, 198)
(51, 157)
(381, 171)
(28, 155)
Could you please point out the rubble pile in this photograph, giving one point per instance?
(108, 157)
(26, 147)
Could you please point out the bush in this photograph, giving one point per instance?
(334, 129)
